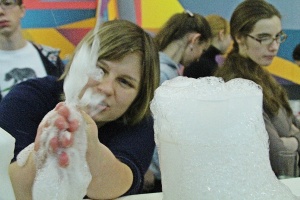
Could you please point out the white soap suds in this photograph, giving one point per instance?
(212, 141)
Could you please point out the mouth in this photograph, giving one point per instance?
(102, 106)
(269, 57)
(96, 109)
(4, 23)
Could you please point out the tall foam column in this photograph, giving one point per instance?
(212, 141)
(7, 146)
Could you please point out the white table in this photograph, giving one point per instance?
(292, 183)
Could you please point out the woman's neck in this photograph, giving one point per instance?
(175, 50)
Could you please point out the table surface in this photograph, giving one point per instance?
(292, 183)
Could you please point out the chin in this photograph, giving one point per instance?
(265, 62)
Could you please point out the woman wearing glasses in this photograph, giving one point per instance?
(256, 31)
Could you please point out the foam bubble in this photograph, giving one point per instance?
(212, 141)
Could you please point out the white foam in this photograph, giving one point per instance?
(212, 141)
(53, 182)
(7, 145)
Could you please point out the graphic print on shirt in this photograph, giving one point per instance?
(15, 76)
(19, 75)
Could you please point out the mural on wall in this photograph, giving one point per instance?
(63, 23)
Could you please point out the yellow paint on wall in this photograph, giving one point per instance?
(285, 69)
(50, 37)
(156, 12)
(88, 23)
(112, 8)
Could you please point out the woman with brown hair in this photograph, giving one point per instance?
(120, 138)
(255, 28)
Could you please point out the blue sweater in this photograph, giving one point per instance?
(27, 103)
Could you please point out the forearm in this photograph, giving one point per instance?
(22, 179)
(110, 177)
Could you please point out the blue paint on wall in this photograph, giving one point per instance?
(286, 48)
(55, 18)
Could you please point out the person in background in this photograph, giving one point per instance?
(120, 138)
(256, 30)
(207, 63)
(20, 59)
(296, 55)
(181, 41)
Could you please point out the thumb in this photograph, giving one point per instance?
(91, 127)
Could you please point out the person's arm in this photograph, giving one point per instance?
(22, 179)
(110, 177)
(277, 143)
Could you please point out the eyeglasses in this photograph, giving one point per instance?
(7, 4)
(279, 38)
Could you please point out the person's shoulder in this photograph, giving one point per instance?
(49, 53)
(46, 49)
(46, 80)
(118, 126)
(49, 84)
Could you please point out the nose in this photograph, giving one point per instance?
(1, 9)
(275, 44)
(106, 86)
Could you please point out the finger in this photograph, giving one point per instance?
(87, 118)
(54, 144)
(91, 127)
(66, 139)
(63, 110)
(45, 123)
(73, 125)
(61, 123)
(60, 104)
(63, 159)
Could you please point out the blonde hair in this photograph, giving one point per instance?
(119, 38)
(218, 23)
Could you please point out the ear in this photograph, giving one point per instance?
(240, 40)
(221, 35)
(23, 10)
(194, 38)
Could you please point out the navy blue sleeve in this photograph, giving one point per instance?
(132, 145)
(23, 108)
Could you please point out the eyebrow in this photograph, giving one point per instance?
(101, 62)
(268, 34)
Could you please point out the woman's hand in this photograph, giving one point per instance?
(56, 133)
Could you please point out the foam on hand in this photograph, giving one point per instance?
(53, 182)
(212, 141)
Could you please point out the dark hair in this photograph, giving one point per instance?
(247, 14)
(296, 52)
(19, 2)
(181, 24)
(242, 22)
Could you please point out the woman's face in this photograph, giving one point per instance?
(261, 53)
(120, 86)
